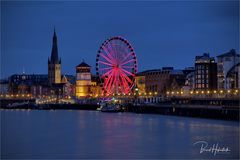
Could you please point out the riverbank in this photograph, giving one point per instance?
(200, 111)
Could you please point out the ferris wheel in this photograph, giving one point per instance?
(116, 66)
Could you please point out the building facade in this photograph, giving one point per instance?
(226, 63)
(233, 77)
(159, 81)
(54, 63)
(4, 86)
(28, 84)
(205, 72)
(140, 82)
(83, 80)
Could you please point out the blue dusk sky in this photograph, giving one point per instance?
(162, 33)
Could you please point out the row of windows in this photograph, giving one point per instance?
(200, 71)
(83, 70)
(152, 88)
(201, 85)
(201, 81)
(158, 73)
(200, 76)
(157, 76)
(201, 67)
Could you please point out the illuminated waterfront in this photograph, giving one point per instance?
(92, 134)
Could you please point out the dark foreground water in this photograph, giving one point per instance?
(92, 134)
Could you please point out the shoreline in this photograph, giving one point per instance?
(199, 111)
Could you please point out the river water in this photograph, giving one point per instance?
(92, 134)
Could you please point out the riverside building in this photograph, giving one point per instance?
(228, 70)
(205, 72)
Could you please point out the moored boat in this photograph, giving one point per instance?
(109, 106)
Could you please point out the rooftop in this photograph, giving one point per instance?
(231, 53)
(83, 64)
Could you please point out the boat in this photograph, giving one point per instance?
(109, 107)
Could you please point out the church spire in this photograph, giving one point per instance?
(54, 55)
(54, 63)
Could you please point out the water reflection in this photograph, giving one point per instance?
(92, 134)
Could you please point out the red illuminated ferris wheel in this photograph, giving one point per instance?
(116, 66)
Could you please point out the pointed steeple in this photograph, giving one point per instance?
(54, 54)
(54, 35)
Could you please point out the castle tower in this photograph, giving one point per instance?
(54, 63)
(83, 80)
